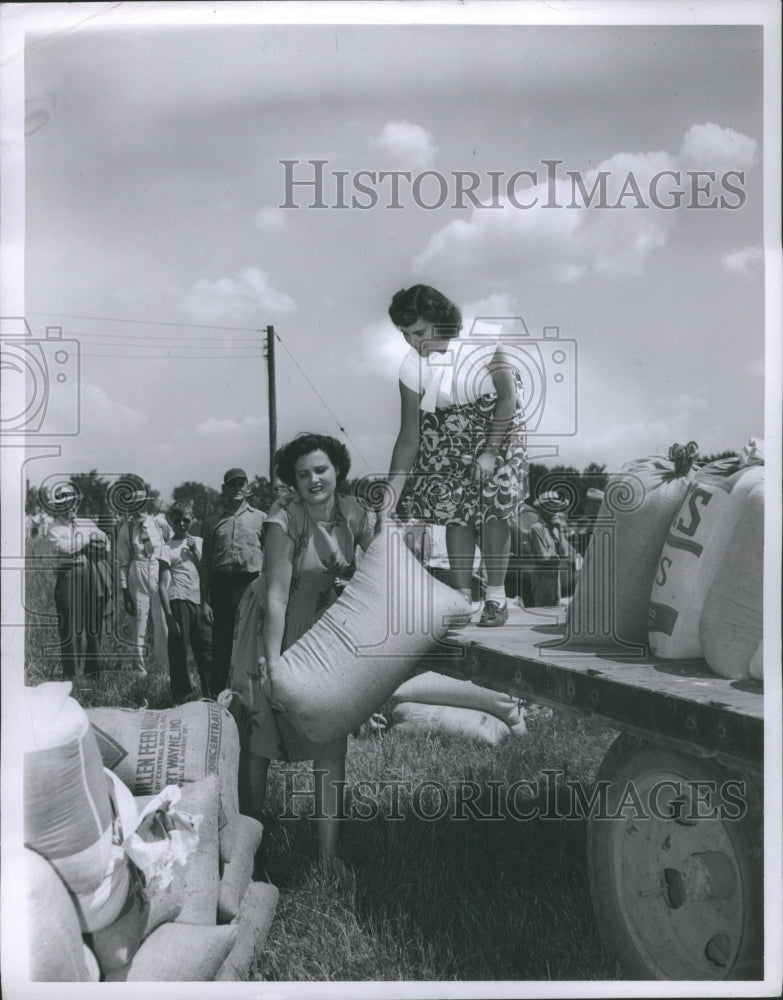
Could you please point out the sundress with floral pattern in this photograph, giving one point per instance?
(440, 488)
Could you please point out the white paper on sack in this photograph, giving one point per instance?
(164, 837)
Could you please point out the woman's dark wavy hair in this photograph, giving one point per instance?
(425, 302)
(305, 444)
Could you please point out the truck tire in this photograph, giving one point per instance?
(675, 864)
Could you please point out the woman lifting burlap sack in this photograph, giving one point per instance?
(311, 537)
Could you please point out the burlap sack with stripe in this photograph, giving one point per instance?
(68, 816)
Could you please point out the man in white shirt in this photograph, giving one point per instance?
(82, 584)
(180, 594)
(140, 544)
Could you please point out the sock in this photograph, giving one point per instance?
(497, 594)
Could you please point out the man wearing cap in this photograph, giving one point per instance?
(140, 544)
(80, 589)
(587, 514)
(232, 558)
(548, 543)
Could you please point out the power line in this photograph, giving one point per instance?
(200, 326)
(144, 337)
(178, 357)
(323, 402)
(149, 322)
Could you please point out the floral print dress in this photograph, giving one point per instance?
(440, 487)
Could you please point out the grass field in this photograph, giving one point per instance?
(416, 899)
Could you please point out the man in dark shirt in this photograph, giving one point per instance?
(232, 558)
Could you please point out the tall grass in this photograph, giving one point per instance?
(415, 899)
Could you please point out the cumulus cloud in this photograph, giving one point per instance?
(381, 348)
(224, 428)
(711, 147)
(409, 144)
(235, 299)
(745, 262)
(270, 219)
(565, 243)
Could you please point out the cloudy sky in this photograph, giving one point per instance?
(155, 237)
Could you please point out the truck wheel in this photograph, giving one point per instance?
(675, 863)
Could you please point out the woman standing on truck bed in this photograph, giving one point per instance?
(460, 458)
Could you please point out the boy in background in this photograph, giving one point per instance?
(180, 595)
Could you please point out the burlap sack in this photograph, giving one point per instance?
(431, 688)
(732, 620)
(237, 869)
(151, 749)
(54, 937)
(428, 720)
(345, 667)
(612, 596)
(68, 814)
(694, 549)
(201, 875)
(254, 920)
(114, 946)
(179, 953)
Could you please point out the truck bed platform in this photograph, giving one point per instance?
(677, 702)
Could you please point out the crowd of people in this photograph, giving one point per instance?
(241, 593)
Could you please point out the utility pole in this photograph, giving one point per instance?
(270, 367)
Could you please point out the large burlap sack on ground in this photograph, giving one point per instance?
(612, 595)
(348, 664)
(253, 922)
(179, 953)
(151, 749)
(431, 688)
(68, 816)
(427, 720)
(57, 953)
(695, 546)
(732, 620)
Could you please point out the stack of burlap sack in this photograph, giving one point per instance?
(676, 562)
(432, 703)
(195, 914)
(137, 861)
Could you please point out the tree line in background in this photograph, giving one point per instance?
(206, 499)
